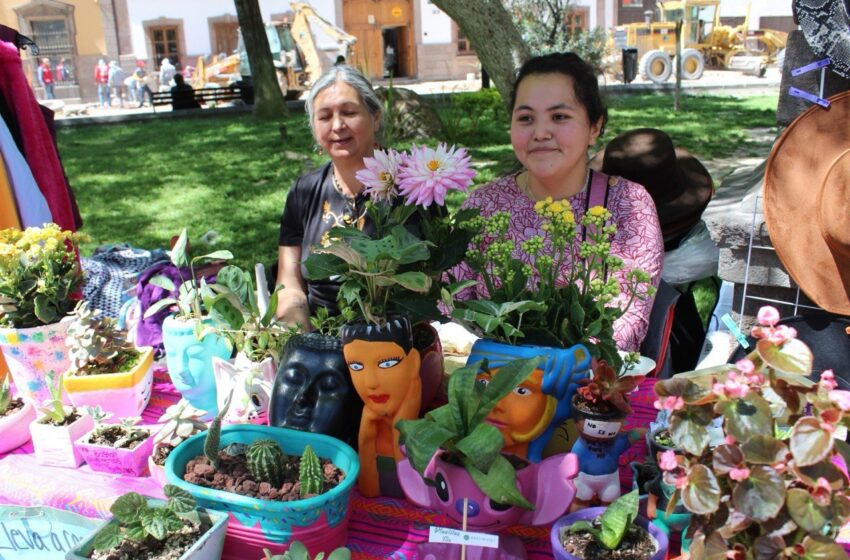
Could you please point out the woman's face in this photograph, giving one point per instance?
(521, 410)
(381, 373)
(550, 129)
(343, 125)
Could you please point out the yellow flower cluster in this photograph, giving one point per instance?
(555, 210)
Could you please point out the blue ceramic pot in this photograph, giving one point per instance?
(320, 522)
(189, 361)
(592, 513)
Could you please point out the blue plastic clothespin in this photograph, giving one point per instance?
(810, 97)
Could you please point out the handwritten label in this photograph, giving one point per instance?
(810, 97)
(817, 65)
(599, 429)
(736, 332)
(454, 536)
(15, 537)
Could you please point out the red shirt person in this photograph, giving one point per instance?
(45, 78)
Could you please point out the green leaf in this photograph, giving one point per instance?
(135, 532)
(178, 252)
(769, 547)
(128, 507)
(805, 511)
(499, 483)
(456, 287)
(298, 550)
(463, 398)
(341, 553)
(702, 494)
(163, 282)
(825, 469)
(762, 495)
(584, 526)
(159, 306)
(154, 524)
(221, 254)
(504, 380)
(792, 357)
(809, 442)
(179, 501)
(422, 440)
(764, 450)
(170, 520)
(44, 310)
(482, 446)
(414, 281)
(817, 549)
(321, 266)
(108, 537)
(726, 457)
(748, 417)
(617, 519)
(689, 429)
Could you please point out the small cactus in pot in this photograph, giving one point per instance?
(310, 473)
(265, 459)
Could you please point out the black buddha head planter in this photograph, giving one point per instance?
(312, 389)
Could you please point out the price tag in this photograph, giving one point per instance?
(736, 332)
(454, 536)
(599, 429)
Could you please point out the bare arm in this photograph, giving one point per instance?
(292, 306)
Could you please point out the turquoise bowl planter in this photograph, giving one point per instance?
(208, 547)
(561, 372)
(189, 361)
(320, 522)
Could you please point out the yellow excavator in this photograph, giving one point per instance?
(705, 42)
(303, 47)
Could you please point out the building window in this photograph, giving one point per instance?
(55, 43)
(463, 44)
(633, 3)
(226, 37)
(165, 45)
(576, 20)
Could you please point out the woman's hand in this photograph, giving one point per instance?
(292, 305)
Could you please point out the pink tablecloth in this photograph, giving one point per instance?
(379, 528)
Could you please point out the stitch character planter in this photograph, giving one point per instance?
(529, 415)
(313, 391)
(251, 384)
(384, 368)
(548, 485)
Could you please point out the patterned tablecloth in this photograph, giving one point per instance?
(379, 528)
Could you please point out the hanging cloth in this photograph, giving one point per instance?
(32, 206)
(8, 214)
(39, 149)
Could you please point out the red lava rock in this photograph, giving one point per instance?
(203, 470)
(249, 486)
(265, 488)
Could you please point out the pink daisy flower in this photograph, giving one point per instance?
(427, 174)
(380, 174)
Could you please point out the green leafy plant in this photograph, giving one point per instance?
(238, 317)
(329, 325)
(5, 396)
(265, 459)
(606, 385)
(137, 521)
(181, 421)
(213, 439)
(570, 293)
(40, 275)
(771, 489)
(189, 301)
(128, 427)
(297, 551)
(54, 409)
(96, 345)
(458, 428)
(613, 524)
(310, 473)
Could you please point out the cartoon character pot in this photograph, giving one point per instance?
(251, 383)
(312, 389)
(548, 485)
(384, 369)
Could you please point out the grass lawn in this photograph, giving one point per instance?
(142, 182)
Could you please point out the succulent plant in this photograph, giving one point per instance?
(310, 473)
(181, 421)
(131, 433)
(53, 408)
(95, 344)
(5, 396)
(264, 461)
(211, 443)
(608, 386)
(297, 551)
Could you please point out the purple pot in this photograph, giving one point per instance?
(590, 514)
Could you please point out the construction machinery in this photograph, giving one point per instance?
(705, 42)
(303, 47)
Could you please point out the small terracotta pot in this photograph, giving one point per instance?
(102, 458)
(15, 428)
(54, 445)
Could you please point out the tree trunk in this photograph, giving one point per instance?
(493, 35)
(268, 99)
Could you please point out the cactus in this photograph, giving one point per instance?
(264, 461)
(5, 396)
(214, 434)
(310, 473)
(95, 345)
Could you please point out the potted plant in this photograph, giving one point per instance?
(772, 486)
(551, 293)
(389, 278)
(455, 463)
(286, 491)
(600, 407)
(189, 347)
(116, 448)
(179, 422)
(58, 427)
(297, 551)
(143, 527)
(40, 281)
(106, 370)
(613, 532)
(15, 418)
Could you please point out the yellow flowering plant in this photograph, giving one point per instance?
(555, 289)
(39, 275)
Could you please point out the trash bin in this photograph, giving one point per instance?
(630, 61)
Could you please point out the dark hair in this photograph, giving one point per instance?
(178, 78)
(583, 75)
(397, 329)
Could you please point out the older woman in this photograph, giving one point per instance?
(345, 117)
(556, 115)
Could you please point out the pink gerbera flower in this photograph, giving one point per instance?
(380, 175)
(427, 174)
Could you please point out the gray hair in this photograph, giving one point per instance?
(355, 79)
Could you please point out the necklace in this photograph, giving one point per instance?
(525, 185)
(351, 211)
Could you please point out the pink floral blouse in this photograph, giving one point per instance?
(638, 239)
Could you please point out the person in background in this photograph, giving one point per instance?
(166, 75)
(117, 75)
(45, 78)
(182, 95)
(141, 78)
(101, 80)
